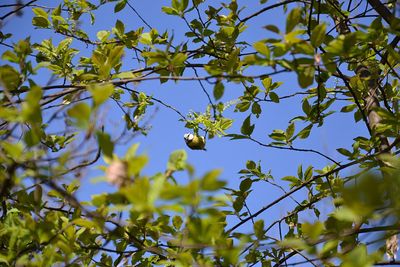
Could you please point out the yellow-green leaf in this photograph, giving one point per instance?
(262, 48)
(293, 19)
(100, 93)
(81, 114)
(318, 35)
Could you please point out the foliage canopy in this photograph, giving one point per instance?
(345, 57)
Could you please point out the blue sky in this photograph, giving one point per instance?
(167, 131)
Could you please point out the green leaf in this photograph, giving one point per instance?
(238, 204)
(256, 109)
(259, 229)
(31, 138)
(267, 82)
(329, 62)
(336, 47)
(274, 97)
(278, 135)
(120, 27)
(394, 56)
(243, 106)
(225, 123)
(86, 223)
(177, 160)
(56, 11)
(39, 12)
(308, 173)
(9, 77)
(293, 19)
(176, 4)
(169, 10)
(115, 55)
(247, 128)
(146, 39)
(81, 115)
(119, 6)
(99, 200)
(218, 90)
(10, 56)
(245, 184)
(346, 214)
(31, 111)
(292, 179)
(272, 28)
(305, 132)
(179, 60)
(136, 164)
(358, 256)
(40, 22)
(261, 48)
(184, 4)
(156, 188)
(276, 85)
(305, 76)
(14, 151)
(312, 230)
(100, 93)
(300, 171)
(290, 131)
(177, 222)
(103, 35)
(251, 165)
(125, 75)
(318, 35)
(344, 152)
(10, 114)
(306, 107)
(348, 108)
(105, 143)
(210, 181)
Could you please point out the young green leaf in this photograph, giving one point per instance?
(218, 90)
(318, 35)
(81, 114)
(274, 97)
(293, 19)
(100, 93)
(290, 131)
(105, 143)
(261, 48)
(247, 128)
(259, 229)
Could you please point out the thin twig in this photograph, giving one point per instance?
(17, 9)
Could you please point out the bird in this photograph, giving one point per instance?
(194, 141)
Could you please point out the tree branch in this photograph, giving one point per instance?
(312, 179)
(17, 9)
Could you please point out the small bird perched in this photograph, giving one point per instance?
(195, 142)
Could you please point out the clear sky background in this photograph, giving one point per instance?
(167, 131)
